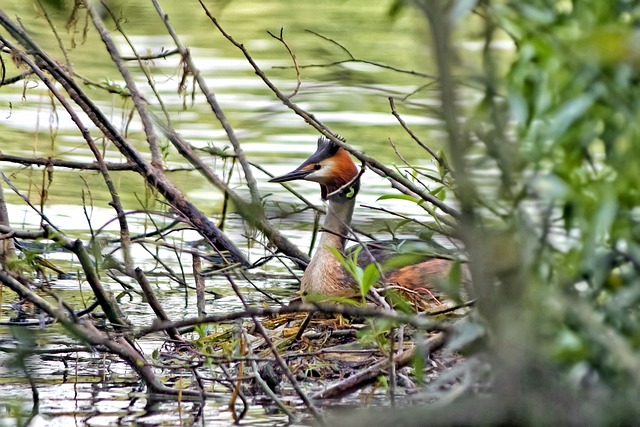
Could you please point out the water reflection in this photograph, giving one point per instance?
(87, 389)
(81, 400)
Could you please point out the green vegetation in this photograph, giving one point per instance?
(553, 237)
(528, 156)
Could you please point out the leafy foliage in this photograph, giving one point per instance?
(560, 268)
(365, 278)
(553, 237)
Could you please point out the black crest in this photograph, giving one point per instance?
(326, 148)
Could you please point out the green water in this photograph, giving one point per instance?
(350, 97)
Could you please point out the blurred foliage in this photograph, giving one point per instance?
(561, 287)
(558, 226)
(557, 231)
(572, 94)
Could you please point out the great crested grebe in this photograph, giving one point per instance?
(339, 178)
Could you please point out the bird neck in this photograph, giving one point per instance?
(325, 276)
(337, 223)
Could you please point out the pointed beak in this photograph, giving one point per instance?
(296, 174)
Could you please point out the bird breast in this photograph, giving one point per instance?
(325, 277)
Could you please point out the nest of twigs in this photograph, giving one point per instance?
(335, 355)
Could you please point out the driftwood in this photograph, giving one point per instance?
(365, 376)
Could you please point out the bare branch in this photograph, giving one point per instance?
(365, 376)
(42, 161)
(151, 56)
(215, 106)
(421, 321)
(353, 59)
(281, 362)
(280, 38)
(136, 96)
(153, 302)
(380, 168)
(153, 176)
(413, 136)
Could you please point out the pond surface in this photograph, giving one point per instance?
(351, 98)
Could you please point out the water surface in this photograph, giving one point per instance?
(351, 98)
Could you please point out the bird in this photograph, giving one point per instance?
(325, 277)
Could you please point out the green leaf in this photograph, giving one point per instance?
(418, 366)
(399, 197)
(345, 262)
(399, 302)
(370, 277)
(569, 112)
(383, 382)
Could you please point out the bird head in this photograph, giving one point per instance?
(330, 166)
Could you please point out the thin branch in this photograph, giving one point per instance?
(156, 154)
(420, 321)
(332, 41)
(404, 190)
(56, 34)
(365, 376)
(199, 283)
(87, 332)
(252, 214)
(25, 199)
(153, 302)
(70, 164)
(154, 177)
(115, 198)
(380, 168)
(151, 56)
(280, 38)
(136, 96)
(104, 297)
(406, 217)
(279, 360)
(11, 80)
(270, 393)
(223, 154)
(215, 106)
(413, 136)
(353, 59)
